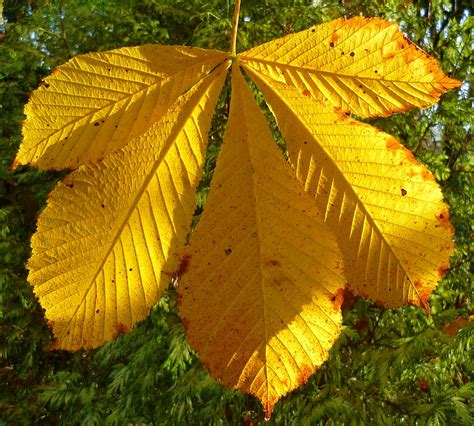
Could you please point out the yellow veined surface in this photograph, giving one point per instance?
(362, 65)
(261, 296)
(110, 238)
(383, 205)
(96, 103)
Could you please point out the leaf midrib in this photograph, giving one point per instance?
(330, 73)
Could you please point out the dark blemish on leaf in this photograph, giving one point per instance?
(70, 185)
(331, 44)
(184, 265)
(274, 262)
(96, 124)
(376, 71)
(130, 269)
(97, 311)
(443, 269)
(185, 322)
(337, 299)
(367, 50)
(113, 281)
(342, 53)
(120, 329)
(347, 113)
(427, 175)
(46, 85)
(313, 30)
(404, 192)
(228, 252)
(102, 205)
(352, 53)
(305, 142)
(306, 93)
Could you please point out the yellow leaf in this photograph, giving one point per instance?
(263, 279)
(384, 206)
(261, 299)
(96, 103)
(362, 65)
(109, 241)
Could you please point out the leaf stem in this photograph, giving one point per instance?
(235, 24)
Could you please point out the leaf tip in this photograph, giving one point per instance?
(421, 298)
(14, 165)
(270, 404)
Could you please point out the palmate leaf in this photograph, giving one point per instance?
(261, 283)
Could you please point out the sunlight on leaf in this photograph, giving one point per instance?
(262, 281)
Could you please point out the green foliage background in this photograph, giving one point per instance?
(389, 366)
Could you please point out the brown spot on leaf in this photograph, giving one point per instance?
(443, 269)
(306, 93)
(96, 124)
(228, 251)
(331, 44)
(185, 322)
(120, 329)
(337, 299)
(305, 372)
(443, 220)
(54, 344)
(427, 175)
(274, 262)
(404, 192)
(392, 144)
(184, 265)
(352, 54)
